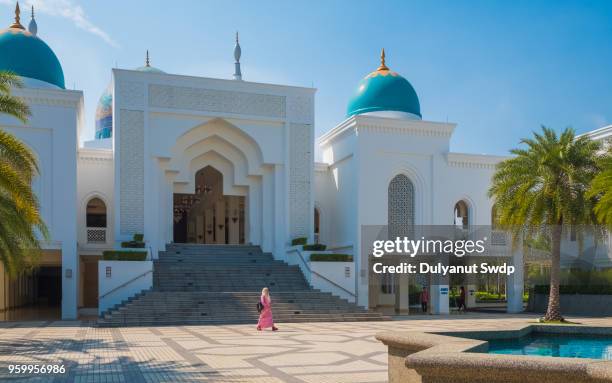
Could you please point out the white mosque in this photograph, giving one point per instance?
(185, 159)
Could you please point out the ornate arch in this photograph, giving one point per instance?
(401, 206)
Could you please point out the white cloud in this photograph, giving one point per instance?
(66, 9)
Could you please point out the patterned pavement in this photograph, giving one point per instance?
(312, 353)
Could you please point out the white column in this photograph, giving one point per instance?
(515, 282)
(470, 300)
(402, 296)
(70, 279)
(280, 226)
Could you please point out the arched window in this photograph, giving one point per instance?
(400, 217)
(96, 221)
(96, 213)
(462, 219)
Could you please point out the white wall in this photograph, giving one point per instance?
(336, 272)
(364, 153)
(167, 125)
(95, 169)
(52, 133)
(137, 274)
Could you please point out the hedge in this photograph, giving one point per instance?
(314, 247)
(299, 241)
(133, 244)
(119, 255)
(576, 289)
(331, 258)
(137, 242)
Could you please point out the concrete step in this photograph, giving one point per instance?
(216, 284)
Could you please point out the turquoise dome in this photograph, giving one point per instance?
(384, 90)
(104, 115)
(104, 110)
(28, 56)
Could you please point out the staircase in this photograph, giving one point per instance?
(220, 284)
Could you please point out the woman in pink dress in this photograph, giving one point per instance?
(265, 317)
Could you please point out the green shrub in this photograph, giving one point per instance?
(119, 255)
(487, 296)
(133, 245)
(137, 242)
(331, 258)
(314, 247)
(299, 241)
(576, 289)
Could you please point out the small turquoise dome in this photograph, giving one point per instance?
(104, 115)
(384, 90)
(26, 55)
(104, 110)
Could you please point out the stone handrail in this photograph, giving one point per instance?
(321, 276)
(125, 284)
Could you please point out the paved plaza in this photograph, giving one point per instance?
(312, 353)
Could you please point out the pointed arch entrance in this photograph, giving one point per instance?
(209, 216)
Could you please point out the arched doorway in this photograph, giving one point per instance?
(208, 216)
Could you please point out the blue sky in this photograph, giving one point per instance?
(497, 69)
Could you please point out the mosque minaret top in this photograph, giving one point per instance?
(33, 27)
(237, 54)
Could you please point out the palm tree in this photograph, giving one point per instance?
(544, 188)
(601, 190)
(19, 214)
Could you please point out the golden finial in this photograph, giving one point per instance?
(147, 62)
(17, 24)
(382, 61)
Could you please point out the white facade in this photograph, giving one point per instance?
(260, 137)
(52, 132)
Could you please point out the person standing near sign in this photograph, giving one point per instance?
(462, 299)
(424, 299)
(265, 316)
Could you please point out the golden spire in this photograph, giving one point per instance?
(17, 24)
(382, 61)
(147, 62)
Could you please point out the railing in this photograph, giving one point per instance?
(321, 276)
(125, 284)
(96, 235)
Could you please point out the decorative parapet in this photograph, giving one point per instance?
(473, 161)
(387, 125)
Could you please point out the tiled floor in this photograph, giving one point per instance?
(314, 353)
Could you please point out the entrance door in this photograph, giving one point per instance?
(208, 216)
(90, 297)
